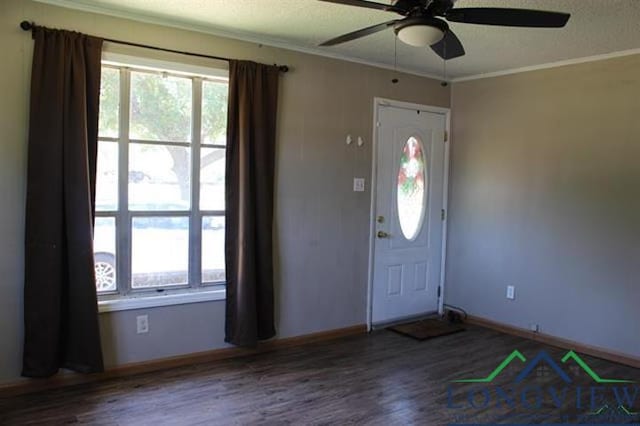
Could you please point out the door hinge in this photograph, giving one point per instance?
(443, 214)
(439, 291)
(446, 136)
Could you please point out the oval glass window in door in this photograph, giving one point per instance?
(412, 188)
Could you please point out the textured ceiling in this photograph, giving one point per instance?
(596, 27)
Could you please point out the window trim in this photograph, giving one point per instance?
(179, 69)
(125, 297)
(125, 303)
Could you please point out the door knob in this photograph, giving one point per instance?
(382, 234)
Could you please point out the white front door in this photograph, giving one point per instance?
(409, 213)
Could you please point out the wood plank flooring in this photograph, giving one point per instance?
(377, 379)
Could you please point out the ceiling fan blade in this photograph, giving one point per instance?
(449, 47)
(508, 17)
(358, 34)
(369, 5)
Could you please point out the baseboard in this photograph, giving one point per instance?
(69, 379)
(559, 342)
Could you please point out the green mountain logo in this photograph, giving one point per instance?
(571, 355)
(542, 357)
(606, 409)
(515, 354)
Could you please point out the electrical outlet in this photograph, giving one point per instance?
(511, 292)
(142, 322)
(358, 184)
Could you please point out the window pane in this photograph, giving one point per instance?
(104, 248)
(109, 102)
(411, 191)
(214, 112)
(212, 167)
(160, 108)
(107, 177)
(213, 268)
(160, 251)
(159, 177)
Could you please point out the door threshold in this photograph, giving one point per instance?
(396, 321)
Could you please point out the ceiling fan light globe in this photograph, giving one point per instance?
(420, 35)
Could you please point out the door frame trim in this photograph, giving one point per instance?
(377, 103)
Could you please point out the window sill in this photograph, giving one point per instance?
(143, 302)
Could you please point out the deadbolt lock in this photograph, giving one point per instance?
(380, 219)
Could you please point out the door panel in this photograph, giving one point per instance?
(408, 229)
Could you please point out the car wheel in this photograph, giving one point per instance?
(105, 272)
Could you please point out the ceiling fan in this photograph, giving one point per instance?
(423, 24)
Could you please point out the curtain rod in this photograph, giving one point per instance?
(30, 26)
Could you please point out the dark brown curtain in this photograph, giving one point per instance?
(251, 140)
(60, 306)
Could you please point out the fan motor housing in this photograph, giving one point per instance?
(407, 5)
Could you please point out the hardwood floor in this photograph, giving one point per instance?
(377, 379)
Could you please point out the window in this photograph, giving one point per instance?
(160, 181)
(411, 189)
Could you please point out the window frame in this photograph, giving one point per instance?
(195, 290)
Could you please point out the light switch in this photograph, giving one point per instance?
(358, 184)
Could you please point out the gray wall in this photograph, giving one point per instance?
(545, 190)
(321, 225)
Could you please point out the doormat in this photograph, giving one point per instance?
(427, 329)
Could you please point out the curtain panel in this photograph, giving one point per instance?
(250, 161)
(60, 302)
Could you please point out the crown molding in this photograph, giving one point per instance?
(81, 5)
(225, 33)
(582, 60)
